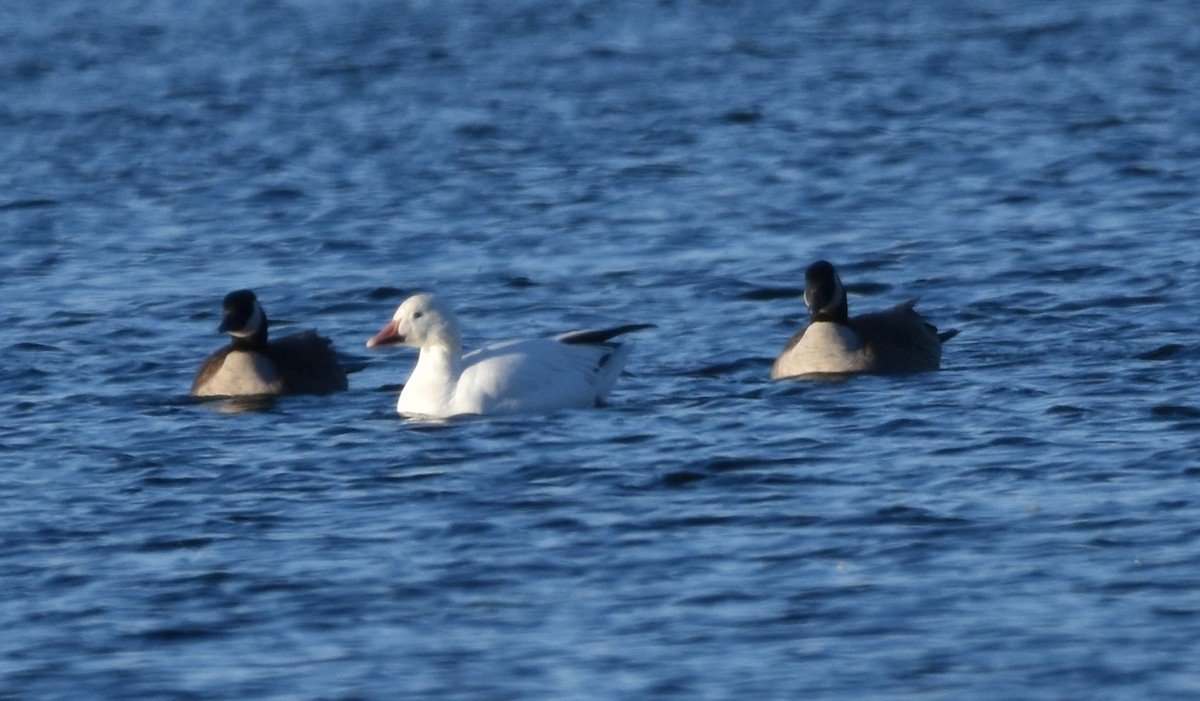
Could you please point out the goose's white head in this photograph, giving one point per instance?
(421, 321)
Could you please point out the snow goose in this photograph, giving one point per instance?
(572, 370)
(896, 340)
(301, 363)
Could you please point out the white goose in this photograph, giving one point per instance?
(573, 370)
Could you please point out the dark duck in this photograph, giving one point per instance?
(252, 365)
(895, 340)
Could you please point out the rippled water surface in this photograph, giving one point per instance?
(1022, 525)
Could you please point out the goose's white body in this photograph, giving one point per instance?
(522, 376)
(574, 370)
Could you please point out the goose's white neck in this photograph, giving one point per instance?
(430, 388)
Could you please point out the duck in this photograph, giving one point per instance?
(893, 341)
(251, 365)
(531, 375)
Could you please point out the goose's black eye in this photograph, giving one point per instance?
(418, 315)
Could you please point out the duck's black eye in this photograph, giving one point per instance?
(418, 315)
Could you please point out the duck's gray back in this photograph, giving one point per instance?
(307, 364)
(898, 340)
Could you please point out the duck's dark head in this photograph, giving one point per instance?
(244, 319)
(824, 294)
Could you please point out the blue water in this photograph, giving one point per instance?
(1022, 525)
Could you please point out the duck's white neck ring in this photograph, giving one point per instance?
(253, 325)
